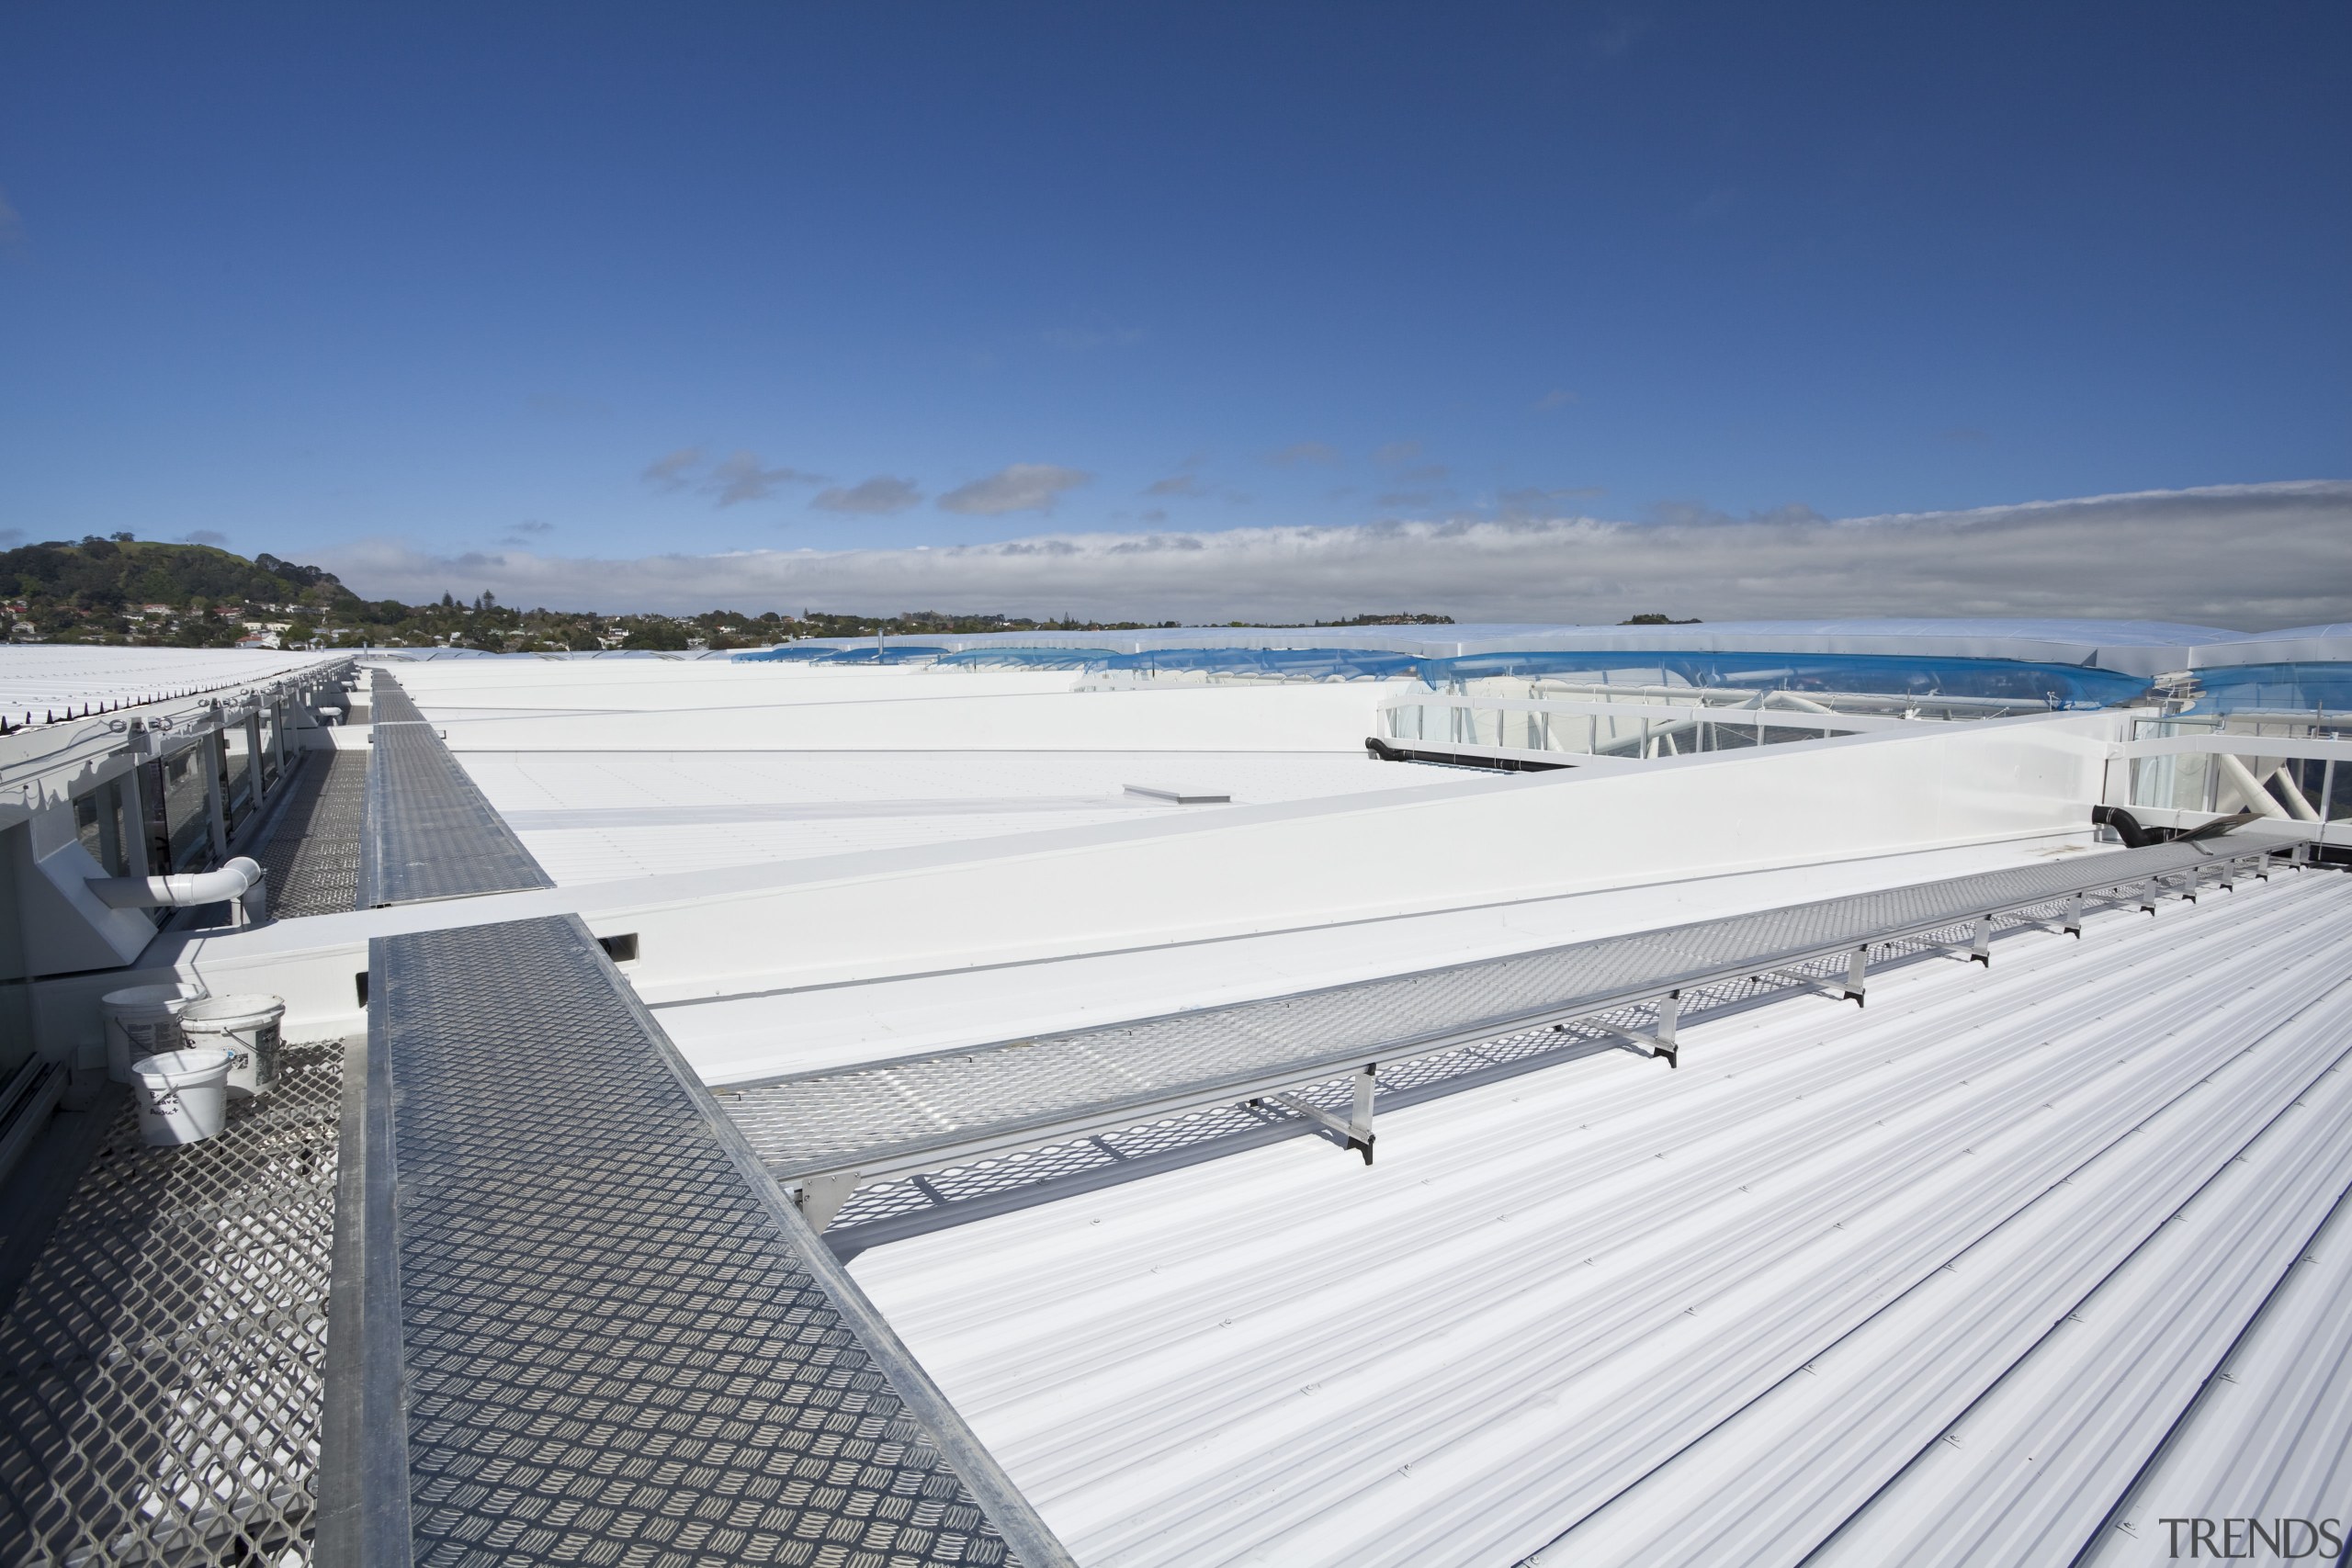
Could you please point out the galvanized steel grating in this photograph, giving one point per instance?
(430, 833)
(612, 1346)
(920, 1112)
(161, 1367)
(311, 858)
(388, 703)
(885, 1210)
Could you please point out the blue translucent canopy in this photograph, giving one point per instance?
(789, 653)
(1290, 663)
(908, 655)
(807, 653)
(2054, 685)
(1026, 658)
(2274, 688)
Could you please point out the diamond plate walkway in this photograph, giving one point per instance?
(430, 834)
(576, 1322)
(160, 1364)
(827, 1132)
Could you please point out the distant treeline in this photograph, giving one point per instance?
(125, 589)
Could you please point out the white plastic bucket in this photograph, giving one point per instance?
(143, 1020)
(183, 1095)
(246, 1026)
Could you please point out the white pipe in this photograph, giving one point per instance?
(2298, 802)
(2257, 798)
(1790, 699)
(239, 881)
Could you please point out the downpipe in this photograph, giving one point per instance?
(239, 882)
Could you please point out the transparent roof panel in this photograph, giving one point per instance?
(2300, 688)
(2052, 685)
(1026, 658)
(1288, 663)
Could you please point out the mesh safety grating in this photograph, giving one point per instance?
(430, 833)
(923, 1111)
(161, 1366)
(313, 855)
(951, 1194)
(613, 1348)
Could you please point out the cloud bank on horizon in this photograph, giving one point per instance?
(2247, 556)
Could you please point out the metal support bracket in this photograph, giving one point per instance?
(1836, 993)
(1851, 991)
(821, 1197)
(2070, 926)
(1661, 1040)
(1979, 948)
(1357, 1128)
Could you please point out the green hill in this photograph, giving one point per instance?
(100, 585)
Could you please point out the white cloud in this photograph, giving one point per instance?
(877, 497)
(672, 471)
(2249, 557)
(1300, 452)
(1022, 487)
(740, 477)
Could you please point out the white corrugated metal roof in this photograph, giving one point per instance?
(42, 678)
(1933, 1282)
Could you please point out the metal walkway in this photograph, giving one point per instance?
(312, 856)
(430, 834)
(826, 1133)
(161, 1366)
(576, 1322)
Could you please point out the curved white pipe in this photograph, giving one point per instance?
(2249, 788)
(2298, 803)
(1803, 704)
(189, 888)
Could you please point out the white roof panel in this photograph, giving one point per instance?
(601, 815)
(1904, 1273)
(40, 678)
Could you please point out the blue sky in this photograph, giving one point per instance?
(459, 284)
